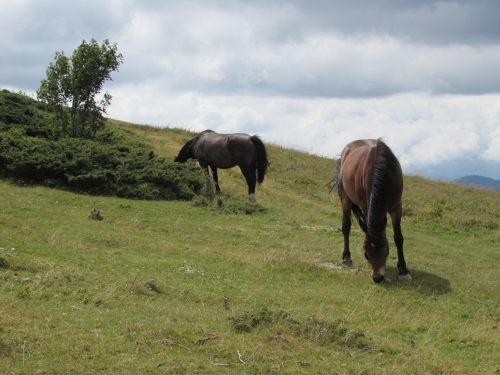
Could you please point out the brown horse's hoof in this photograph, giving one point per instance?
(347, 263)
(406, 277)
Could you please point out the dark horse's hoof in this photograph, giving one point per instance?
(347, 263)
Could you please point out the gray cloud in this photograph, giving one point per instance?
(428, 22)
(418, 21)
(298, 48)
(327, 49)
(32, 31)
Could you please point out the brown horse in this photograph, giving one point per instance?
(370, 184)
(225, 151)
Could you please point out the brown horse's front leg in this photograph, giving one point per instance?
(403, 274)
(346, 230)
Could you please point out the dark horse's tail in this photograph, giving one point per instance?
(386, 166)
(262, 161)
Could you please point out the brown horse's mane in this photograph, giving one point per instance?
(386, 166)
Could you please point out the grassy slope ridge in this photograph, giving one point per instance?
(170, 287)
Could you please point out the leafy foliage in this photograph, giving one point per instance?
(72, 84)
(117, 162)
(17, 110)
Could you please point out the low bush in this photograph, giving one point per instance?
(117, 162)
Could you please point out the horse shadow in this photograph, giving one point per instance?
(422, 282)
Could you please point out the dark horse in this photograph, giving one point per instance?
(226, 151)
(370, 184)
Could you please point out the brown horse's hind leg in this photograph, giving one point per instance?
(346, 230)
(403, 274)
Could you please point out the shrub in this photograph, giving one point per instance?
(17, 110)
(117, 162)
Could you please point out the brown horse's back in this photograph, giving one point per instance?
(356, 171)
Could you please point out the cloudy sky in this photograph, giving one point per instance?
(310, 74)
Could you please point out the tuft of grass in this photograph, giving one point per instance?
(96, 214)
(249, 320)
(312, 329)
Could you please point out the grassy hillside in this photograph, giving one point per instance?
(168, 287)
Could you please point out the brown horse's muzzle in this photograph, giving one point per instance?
(379, 277)
(377, 259)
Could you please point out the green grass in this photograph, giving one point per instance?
(182, 287)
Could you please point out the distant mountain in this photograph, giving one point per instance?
(479, 181)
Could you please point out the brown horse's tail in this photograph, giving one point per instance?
(356, 210)
(360, 216)
(386, 165)
(262, 161)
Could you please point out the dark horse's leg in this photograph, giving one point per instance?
(403, 274)
(346, 230)
(204, 165)
(215, 177)
(249, 173)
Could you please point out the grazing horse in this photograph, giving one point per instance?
(226, 151)
(370, 184)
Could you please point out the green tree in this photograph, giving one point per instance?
(73, 83)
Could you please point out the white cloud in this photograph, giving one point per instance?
(421, 129)
(312, 74)
(493, 150)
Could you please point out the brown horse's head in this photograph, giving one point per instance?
(377, 257)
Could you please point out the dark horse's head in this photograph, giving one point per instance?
(186, 152)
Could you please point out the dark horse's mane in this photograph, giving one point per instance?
(386, 165)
